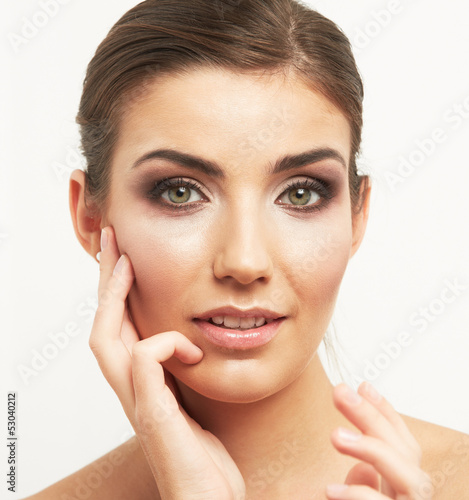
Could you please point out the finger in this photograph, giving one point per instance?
(156, 392)
(387, 489)
(369, 419)
(403, 475)
(148, 354)
(364, 474)
(382, 404)
(109, 256)
(105, 339)
(367, 390)
(160, 424)
(129, 334)
(345, 492)
(171, 383)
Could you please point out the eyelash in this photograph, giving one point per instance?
(167, 183)
(323, 188)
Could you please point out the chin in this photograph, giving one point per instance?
(233, 380)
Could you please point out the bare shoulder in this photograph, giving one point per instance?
(445, 457)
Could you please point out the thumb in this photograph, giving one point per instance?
(363, 474)
(171, 383)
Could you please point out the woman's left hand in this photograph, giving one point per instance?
(385, 446)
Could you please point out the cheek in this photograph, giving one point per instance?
(317, 266)
(326, 263)
(166, 259)
(318, 258)
(171, 258)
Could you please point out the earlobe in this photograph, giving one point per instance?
(86, 223)
(360, 219)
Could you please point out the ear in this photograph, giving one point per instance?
(86, 220)
(360, 219)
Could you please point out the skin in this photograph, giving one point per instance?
(220, 251)
(237, 245)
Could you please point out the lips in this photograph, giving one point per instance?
(238, 323)
(239, 339)
(240, 313)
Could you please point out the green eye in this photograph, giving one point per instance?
(302, 196)
(306, 194)
(179, 192)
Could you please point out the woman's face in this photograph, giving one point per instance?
(244, 238)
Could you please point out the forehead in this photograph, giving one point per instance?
(227, 116)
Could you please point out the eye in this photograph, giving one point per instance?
(300, 195)
(306, 195)
(177, 192)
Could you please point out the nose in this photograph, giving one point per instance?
(243, 249)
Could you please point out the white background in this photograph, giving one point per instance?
(414, 67)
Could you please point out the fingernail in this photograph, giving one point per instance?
(104, 239)
(120, 265)
(336, 490)
(351, 396)
(98, 256)
(372, 392)
(348, 435)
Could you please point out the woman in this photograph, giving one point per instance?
(222, 189)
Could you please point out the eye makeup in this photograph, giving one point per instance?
(182, 187)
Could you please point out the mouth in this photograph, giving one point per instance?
(240, 324)
(238, 336)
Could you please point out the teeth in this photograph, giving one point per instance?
(260, 321)
(247, 322)
(240, 323)
(231, 321)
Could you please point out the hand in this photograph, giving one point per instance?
(386, 447)
(186, 461)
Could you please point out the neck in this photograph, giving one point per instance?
(289, 431)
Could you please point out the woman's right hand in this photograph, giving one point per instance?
(186, 461)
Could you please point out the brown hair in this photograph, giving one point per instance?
(159, 37)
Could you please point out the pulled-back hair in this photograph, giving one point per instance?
(160, 37)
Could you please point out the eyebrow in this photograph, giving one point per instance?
(212, 169)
